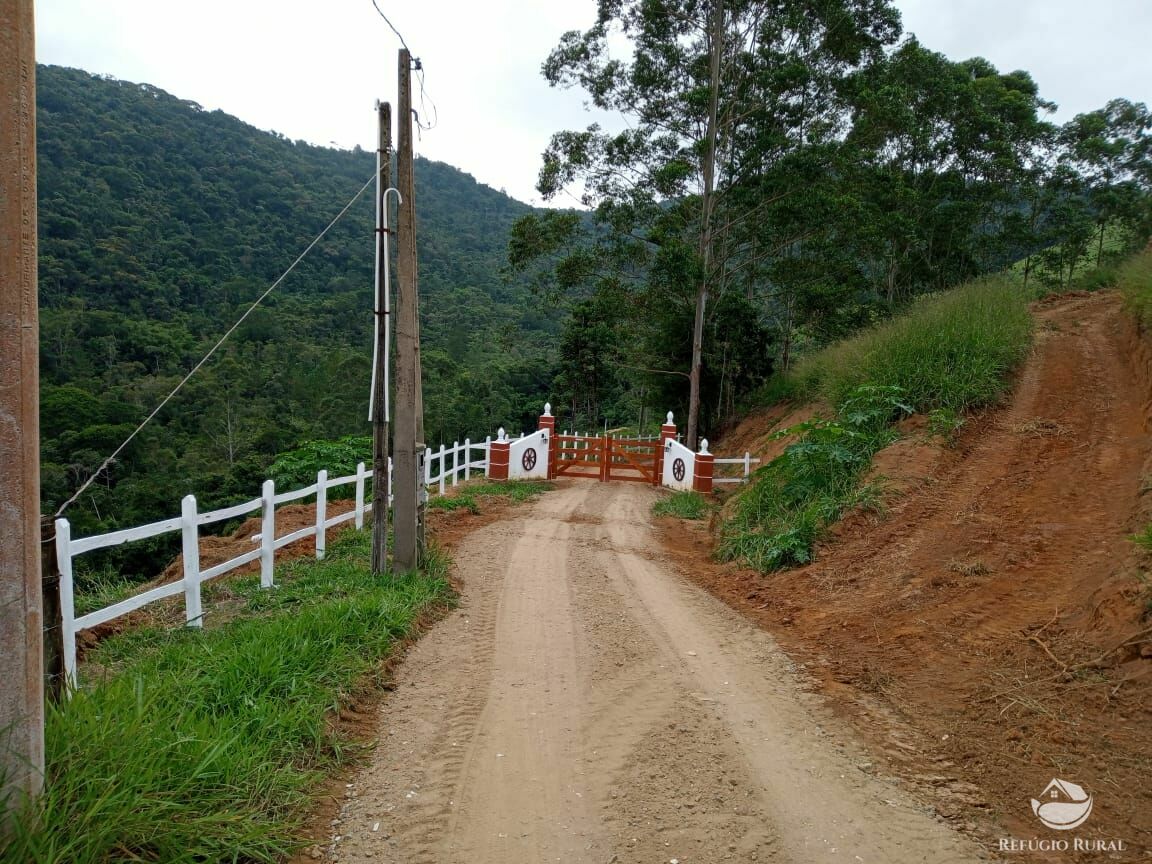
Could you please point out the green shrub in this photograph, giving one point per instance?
(468, 495)
(682, 505)
(298, 468)
(1098, 278)
(99, 588)
(796, 496)
(205, 745)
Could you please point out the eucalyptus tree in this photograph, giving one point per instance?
(719, 99)
(1111, 150)
(947, 151)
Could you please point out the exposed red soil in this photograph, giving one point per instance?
(758, 435)
(990, 631)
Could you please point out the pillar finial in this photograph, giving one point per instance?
(547, 409)
(500, 434)
(669, 421)
(704, 447)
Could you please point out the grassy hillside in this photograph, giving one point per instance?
(160, 222)
(948, 353)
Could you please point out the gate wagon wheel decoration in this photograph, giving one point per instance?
(678, 469)
(528, 460)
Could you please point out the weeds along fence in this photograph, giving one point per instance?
(442, 467)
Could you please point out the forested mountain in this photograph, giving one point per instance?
(160, 222)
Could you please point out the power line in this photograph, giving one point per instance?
(425, 99)
(399, 35)
(213, 349)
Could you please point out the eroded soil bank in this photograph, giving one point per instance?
(990, 631)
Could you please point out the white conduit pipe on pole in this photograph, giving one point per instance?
(382, 232)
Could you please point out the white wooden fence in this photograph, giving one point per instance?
(451, 463)
(461, 459)
(746, 462)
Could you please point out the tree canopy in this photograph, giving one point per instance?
(789, 170)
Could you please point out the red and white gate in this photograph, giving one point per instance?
(657, 462)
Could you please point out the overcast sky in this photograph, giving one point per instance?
(313, 70)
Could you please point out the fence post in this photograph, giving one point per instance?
(67, 601)
(442, 467)
(391, 483)
(467, 459)
(190, 542)
(321, 513)
(268, 534)
(747, 465)
(427, 467)
(487, 456)
(52, 630)
(455, 463)
(359, 496)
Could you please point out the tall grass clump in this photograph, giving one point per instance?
(1135, 283)
(205, 745)
(471, 495)
(951, 350)
(682, 505)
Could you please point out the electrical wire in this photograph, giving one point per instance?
(213, 349)
(426, 101)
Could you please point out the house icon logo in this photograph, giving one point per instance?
(1063, 805)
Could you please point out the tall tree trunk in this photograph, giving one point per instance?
(707, 205)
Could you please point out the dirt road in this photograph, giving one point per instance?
(587, 704)
(985, 632)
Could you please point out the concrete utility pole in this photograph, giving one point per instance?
(383, 328)
(406, 548)
(21, 621)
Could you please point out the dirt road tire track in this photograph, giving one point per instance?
(588, 704)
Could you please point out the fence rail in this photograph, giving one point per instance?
(746, 462)
(451, 463)
(442, 467)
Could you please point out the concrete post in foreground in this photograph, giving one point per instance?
(21, 618)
